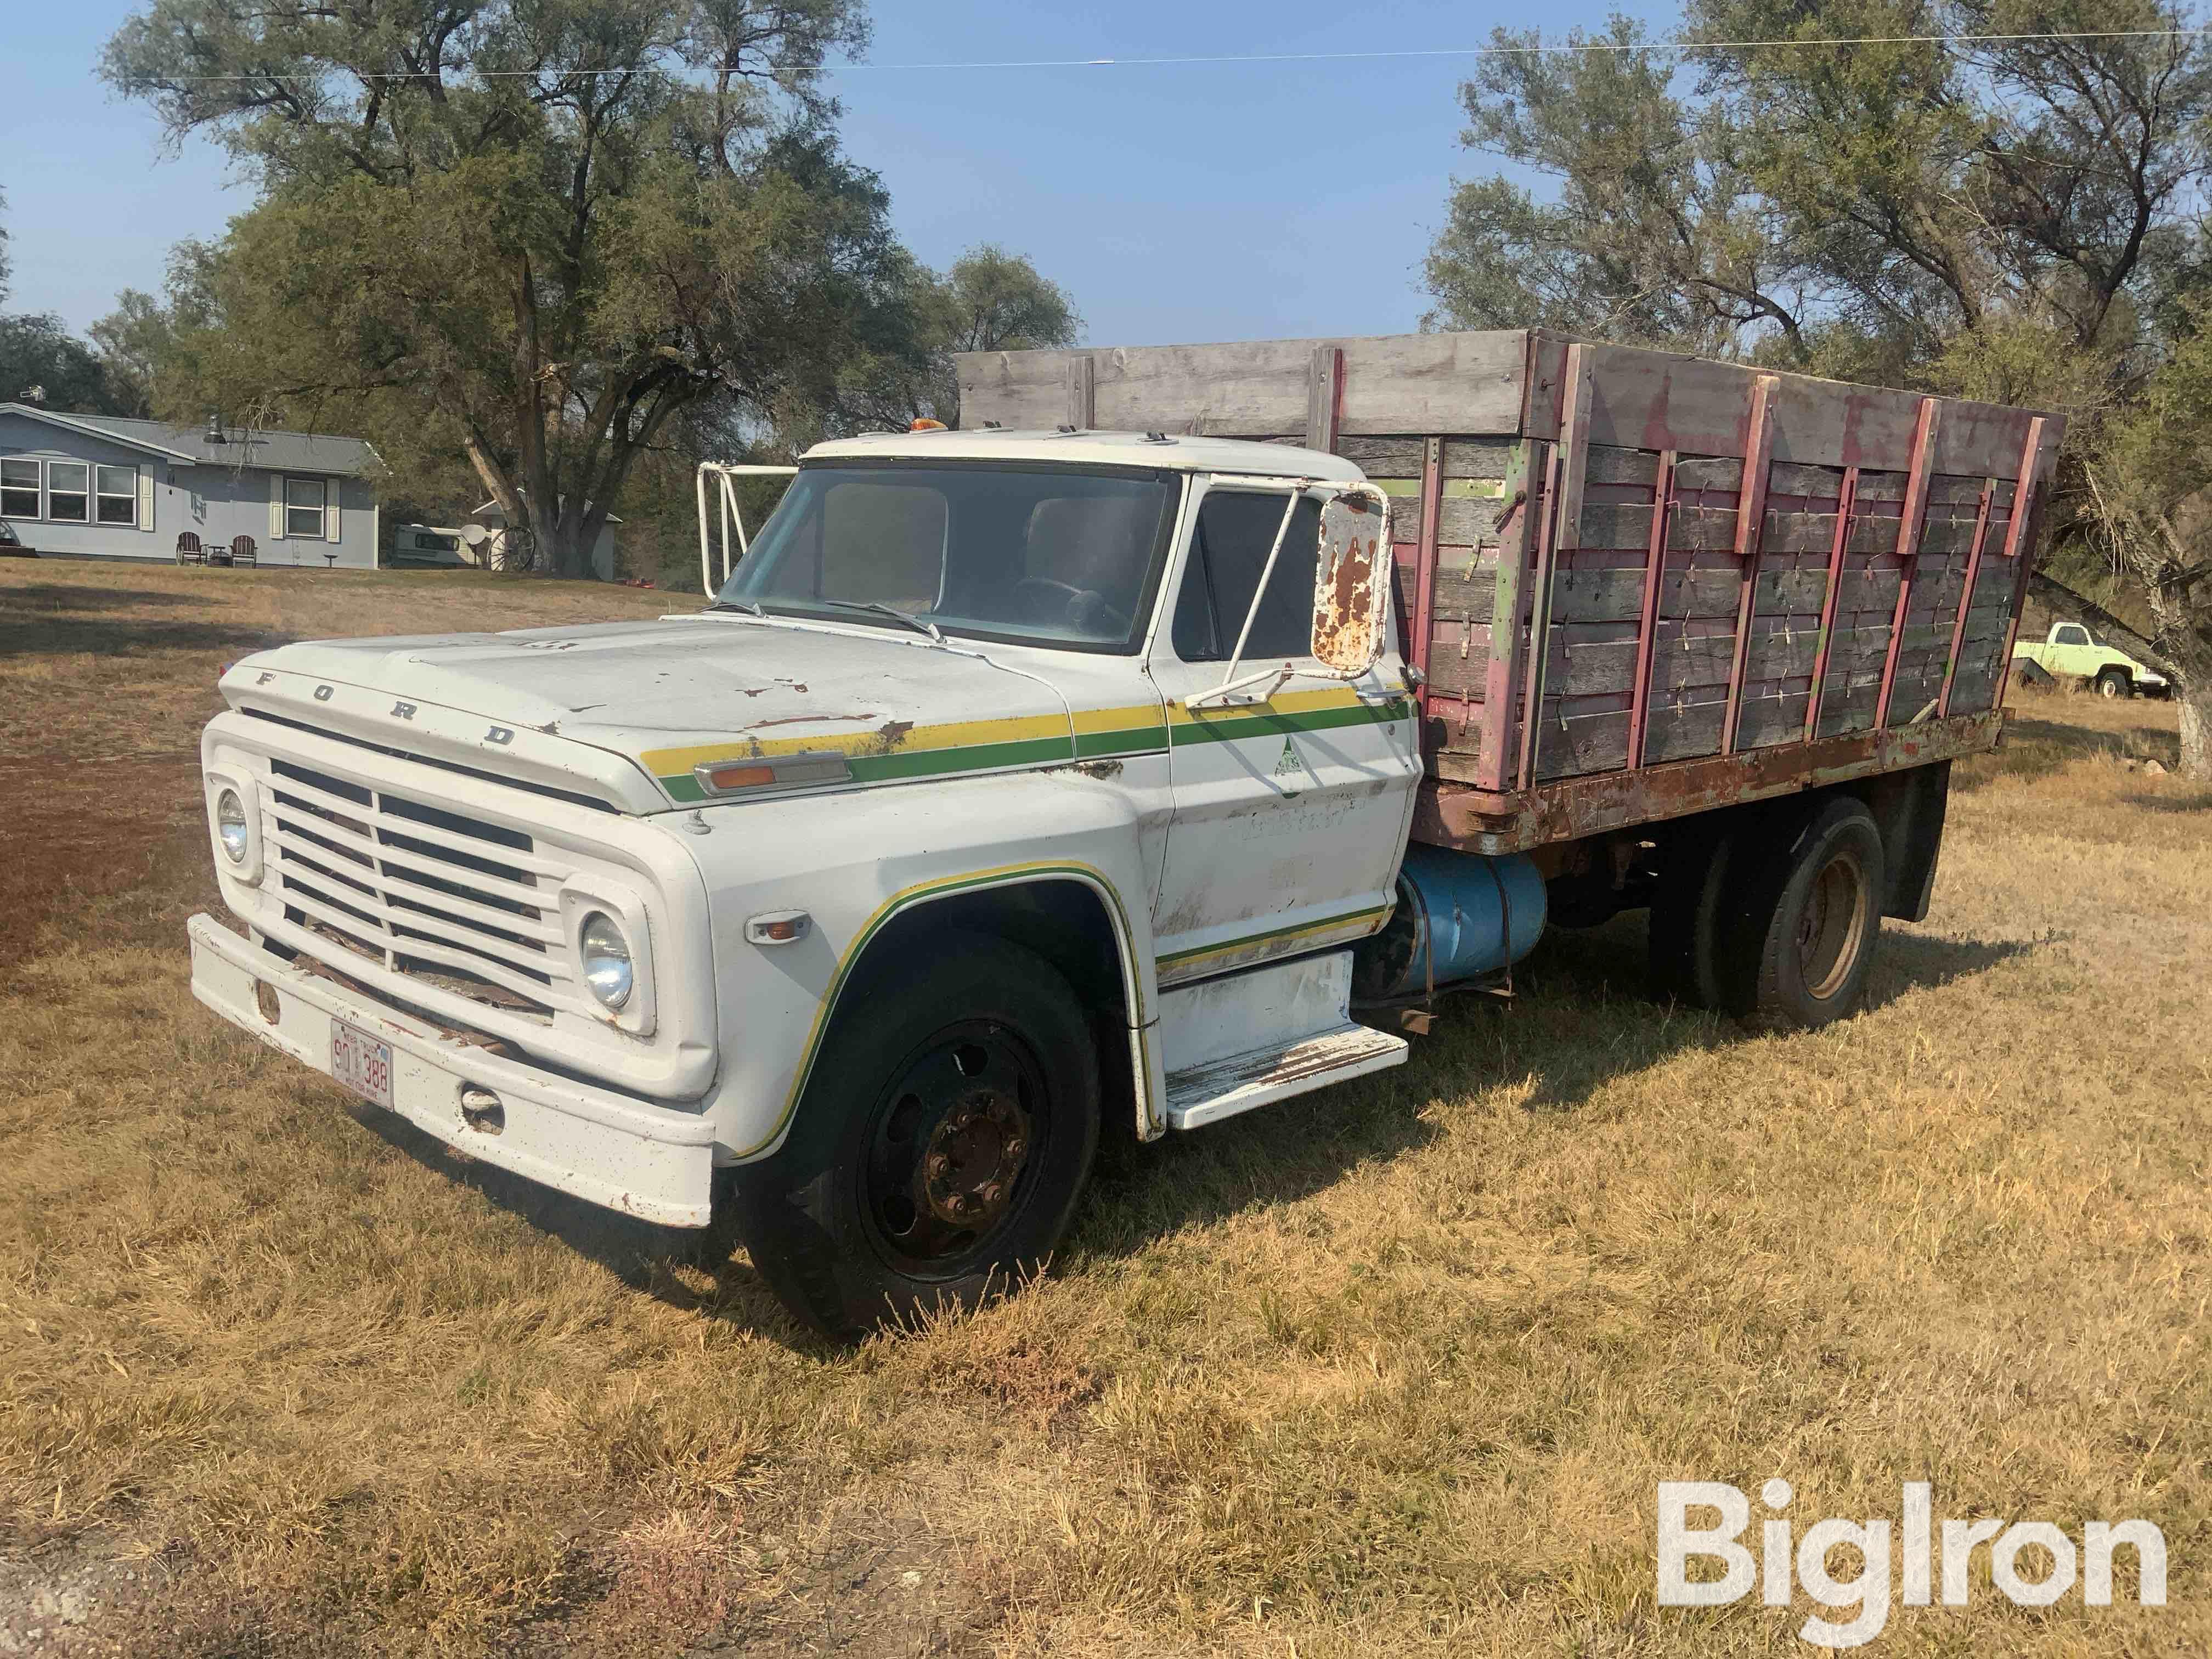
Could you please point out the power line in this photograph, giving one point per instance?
(1570, 49)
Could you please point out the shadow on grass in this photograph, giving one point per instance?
(2035, 748)
(2200, 802)
(643, 1255)
(62, 636)
(1579, 1020)
(69, 596)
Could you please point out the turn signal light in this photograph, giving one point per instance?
(739, 777)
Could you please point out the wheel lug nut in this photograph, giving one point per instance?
(938, 1163)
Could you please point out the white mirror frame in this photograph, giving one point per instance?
(726, 516)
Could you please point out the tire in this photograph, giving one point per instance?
(1685, 917)
(940, 1145)
(2115, 683)
(1797, 934)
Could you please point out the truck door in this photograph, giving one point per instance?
(2070, 651)
(1292, 796)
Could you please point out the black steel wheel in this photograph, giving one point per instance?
(940, 1144)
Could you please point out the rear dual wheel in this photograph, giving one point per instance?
(1773, 919)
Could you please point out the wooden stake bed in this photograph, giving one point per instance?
(1637, 585)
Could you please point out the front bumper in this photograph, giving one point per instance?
(651, 1162)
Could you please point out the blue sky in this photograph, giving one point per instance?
(1183, 202)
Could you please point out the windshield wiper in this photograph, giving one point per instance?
(921, 623)
(745, 605)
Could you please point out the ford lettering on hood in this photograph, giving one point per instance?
(675, 695)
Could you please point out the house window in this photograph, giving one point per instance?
(19, 490)
(69, 491)
(117, 500)
(303, 507)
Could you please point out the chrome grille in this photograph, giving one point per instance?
(461, 903)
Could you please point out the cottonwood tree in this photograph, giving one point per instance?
(535, 231)
(2015, 215)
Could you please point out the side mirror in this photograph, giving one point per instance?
(1351, 601)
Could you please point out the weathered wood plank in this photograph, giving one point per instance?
(1461, 668)
(1401, 385)
(1798, 532)
(1723, 472)
(1577, 744)
(1781, 655)
(1815, 482)
(1590, 667)
(1612, 466)
(1868, 589)
(1681, 731)
(1619, 524)
(1597, 596)
(1462, 520)
(1470, 595)
(1767, 720)
(1947, 537)
(1701, 528)
(1952, 489)
(1688, 655)
(1700, 591)
(1790, 593)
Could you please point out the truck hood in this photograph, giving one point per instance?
(673, 695)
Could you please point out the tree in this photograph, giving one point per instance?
(542, 233)
(2012, 217)
(7, 265)
(38, 354)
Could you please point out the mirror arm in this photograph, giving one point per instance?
(1225, 691)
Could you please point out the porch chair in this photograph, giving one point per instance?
(242, 551)
(188, 548)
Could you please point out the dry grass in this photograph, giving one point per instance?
(1396, 1365)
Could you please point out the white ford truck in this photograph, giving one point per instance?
(1014, 783)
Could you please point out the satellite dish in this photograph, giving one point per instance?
(475, 534)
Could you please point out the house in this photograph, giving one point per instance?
(492, 553)
(104, 487)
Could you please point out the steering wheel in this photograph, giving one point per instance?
(1081, 607)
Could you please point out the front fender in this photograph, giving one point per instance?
(853, 861)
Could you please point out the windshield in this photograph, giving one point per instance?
(1041, 556)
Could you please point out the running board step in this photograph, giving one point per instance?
(1222, 1088)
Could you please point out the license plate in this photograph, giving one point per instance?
(362, 1063)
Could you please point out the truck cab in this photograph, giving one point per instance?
(2072, 652)
(1012, 783)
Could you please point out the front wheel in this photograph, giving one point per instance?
(940, 1144)
(2114, 683)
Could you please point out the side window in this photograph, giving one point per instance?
(1228, 551)
(2072, 636)
(888, 545)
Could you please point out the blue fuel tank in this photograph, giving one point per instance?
(1475, 914)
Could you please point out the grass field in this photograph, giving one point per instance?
(1394, 1367)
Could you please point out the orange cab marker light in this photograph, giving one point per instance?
(739, 777)
(923, 424)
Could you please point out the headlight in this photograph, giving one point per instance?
(607, 967)
(230, 825)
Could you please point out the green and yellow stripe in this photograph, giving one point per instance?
(1362, 921)
(888, 754)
